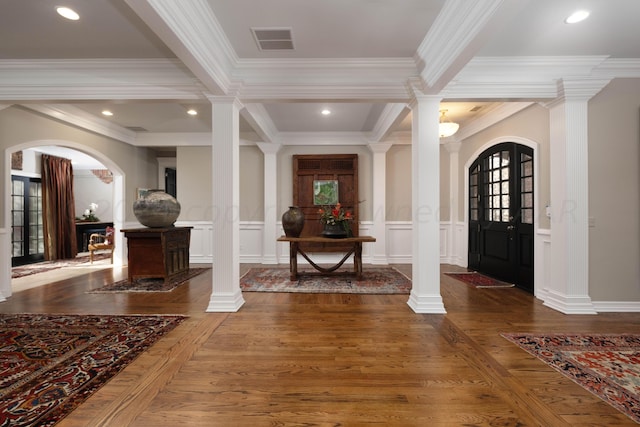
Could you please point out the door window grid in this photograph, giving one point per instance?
(526, 188)
(474, 196)
(496, 186)
(17, 213)
(36, 226)
(27, 228)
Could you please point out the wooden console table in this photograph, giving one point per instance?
(356, 250)
(157, 252)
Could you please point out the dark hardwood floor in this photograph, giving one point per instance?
(334, 359)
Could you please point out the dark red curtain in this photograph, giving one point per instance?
(58, 208)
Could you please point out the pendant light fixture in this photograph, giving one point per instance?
(447, 127)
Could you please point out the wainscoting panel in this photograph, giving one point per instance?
(201, 249)
(399, 242)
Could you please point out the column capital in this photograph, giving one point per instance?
(418, 97)
(379, 147)
(579, 89)
(269, 147)
(216, 99)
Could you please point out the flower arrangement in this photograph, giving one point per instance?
(90, 214)
(336, 216)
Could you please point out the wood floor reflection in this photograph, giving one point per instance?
(334, 359)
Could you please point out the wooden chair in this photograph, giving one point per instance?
(102, 242)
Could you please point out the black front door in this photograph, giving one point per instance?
(501, 214)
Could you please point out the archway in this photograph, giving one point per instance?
(501, 208)
(118, 207)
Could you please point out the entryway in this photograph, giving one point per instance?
(501, 214)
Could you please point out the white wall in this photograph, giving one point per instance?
(87, 189)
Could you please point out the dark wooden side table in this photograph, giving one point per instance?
(157, 252)
(354, 242)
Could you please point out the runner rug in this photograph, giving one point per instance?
(375, 280)
(50, 364)
(149, 285)
(480, 280)
(44, 266)
(606, 365)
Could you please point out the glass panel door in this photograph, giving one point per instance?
(27, 230)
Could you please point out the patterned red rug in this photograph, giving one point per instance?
(375, 280)
(606, 365)
(44, 266)
(149, 285)
(50, 364)
(480, 280)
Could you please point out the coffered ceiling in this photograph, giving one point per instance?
(149, 61)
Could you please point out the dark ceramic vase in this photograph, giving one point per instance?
(334, 231)
(156, 209)
(293, 221)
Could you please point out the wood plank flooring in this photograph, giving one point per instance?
(334, 359)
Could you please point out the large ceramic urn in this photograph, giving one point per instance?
(156, 209)
(293, 221)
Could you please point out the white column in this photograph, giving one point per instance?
(270, 232)
(226, 295)
(453, 148)
(425, 184)
(379, 228)
(568, 290)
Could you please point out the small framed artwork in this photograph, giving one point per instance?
(16, 160)
(325, 192)
(142, 192)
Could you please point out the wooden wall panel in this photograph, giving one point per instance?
(309, 168)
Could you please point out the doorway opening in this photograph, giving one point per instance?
(501, 214)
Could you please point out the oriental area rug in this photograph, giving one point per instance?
(52, 363)
(44, 266)
(149, 285)
(606, 365)
(480, 280)
(375, 280)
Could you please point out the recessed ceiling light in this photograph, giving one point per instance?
(67, 13)
(326, 112)
(577, 16)
(192, 112)
(107, 113)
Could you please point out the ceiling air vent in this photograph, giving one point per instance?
(273, 38)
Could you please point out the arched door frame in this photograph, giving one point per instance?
(536, 188)
(118, 207)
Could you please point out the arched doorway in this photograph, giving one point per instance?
(501, 214)
(117, 205)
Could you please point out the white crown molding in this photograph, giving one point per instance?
(310, 92)
(76, 117)
(490, 117)
(194, 34)
(340, 79)
(500, 91)
(391, 114)
(260, 121)
(618, 68)
(323, 138)
(456, 26)
(524, 69)
(96, 79)
(174, 139)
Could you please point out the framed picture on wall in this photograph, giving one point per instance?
(325, 192)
